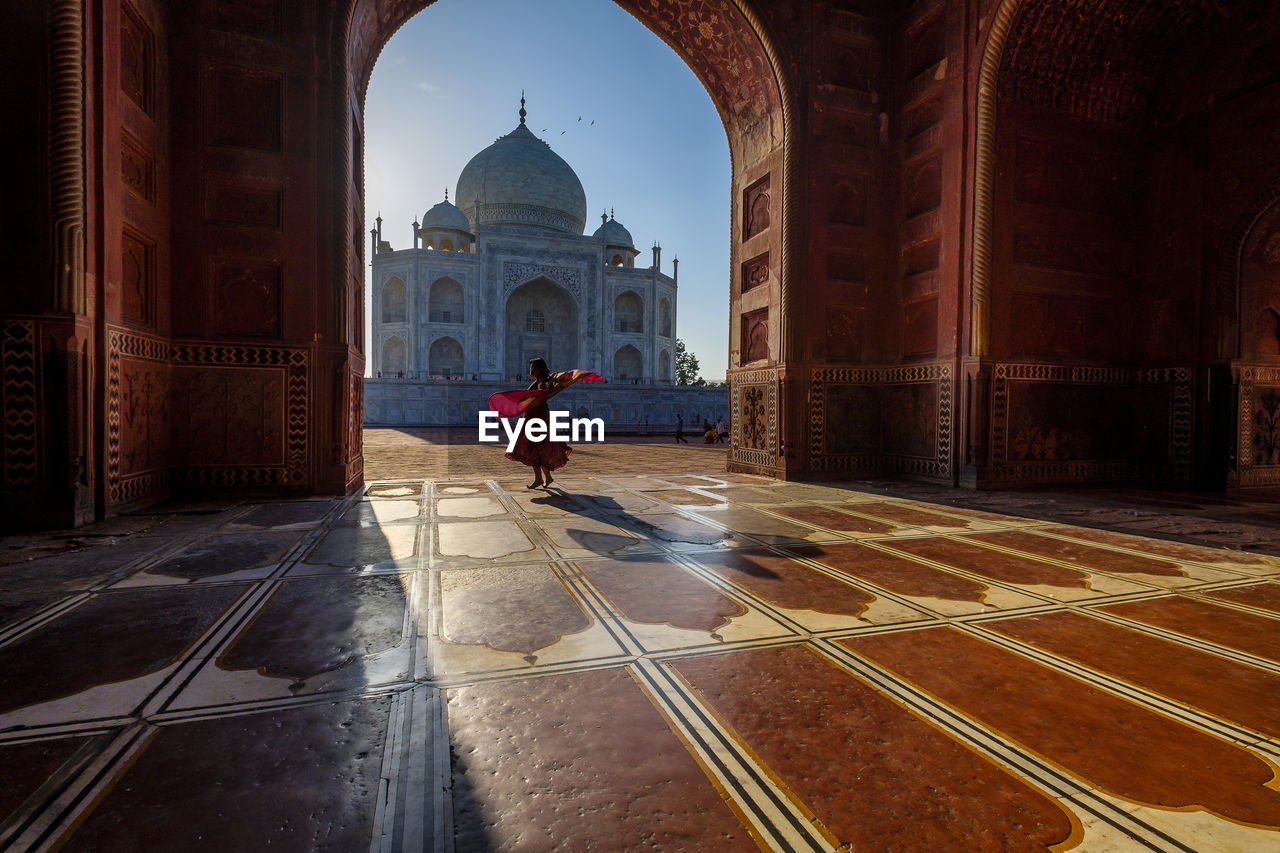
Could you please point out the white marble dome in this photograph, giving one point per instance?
(445, 215)
(519, 180)
(614, 234)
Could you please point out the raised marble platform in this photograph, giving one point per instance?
(438, 402)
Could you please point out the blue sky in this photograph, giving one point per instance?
(448, 84)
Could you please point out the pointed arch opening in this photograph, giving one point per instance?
(447, 302)
(445, 358)
(541, 322)
(395, 301)
(628, 364)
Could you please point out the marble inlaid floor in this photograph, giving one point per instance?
(692, 662)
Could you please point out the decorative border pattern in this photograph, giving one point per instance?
(767, 382)
(237, 355)
(18, 370)
(514, 275)
(1251, 474)
(938, 373)
(66, 152)
(120, 344)
(984, 172)
(526, 214)
(1178, 378)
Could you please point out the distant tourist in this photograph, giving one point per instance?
(721, 432)
(680, 430)
(708, 433)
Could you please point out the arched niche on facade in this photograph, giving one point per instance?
(557, 343)
(664, 317)
(627, 364)
(446, 302)
(445, 358)
(664, 366)
(394, 358)
(628, 312)
(394, 301)
(1260, 289)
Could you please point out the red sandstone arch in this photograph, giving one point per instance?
(1101, 114)
(732, 52)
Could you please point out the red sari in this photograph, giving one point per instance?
(531, 404)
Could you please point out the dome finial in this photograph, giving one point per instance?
(522, 112)
(611, 213)
(446, 193)
(604, 217)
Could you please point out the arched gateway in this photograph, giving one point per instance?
(178, 316)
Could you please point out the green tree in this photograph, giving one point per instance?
(686, 365)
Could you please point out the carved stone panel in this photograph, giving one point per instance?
(1065, 327)
(755, 272)
(239, 204)
(1057, 422)
(909, 419)
(851, 65)
(846, 266)
(247, 298)
(144, 416)
(844, 333)
(882, 419)
(247, 110)
(1258, 439)
(137, 60)
(920, 257)
(1088, 178)
(926, 45)
(229, 416)
(852, 426)
(755, 336)
(920, 327)
(138, 438)
(848, 203)
(754, 400)
(137, 168)
(137, 278)
(923, 187)
(923, 115)
(258, 18)
(755, 208)
(1063, 252)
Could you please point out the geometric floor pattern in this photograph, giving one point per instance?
(634, 662)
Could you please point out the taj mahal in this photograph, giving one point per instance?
(505, 273)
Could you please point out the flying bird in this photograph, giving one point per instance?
(593, 121)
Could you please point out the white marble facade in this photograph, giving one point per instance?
(508, 274)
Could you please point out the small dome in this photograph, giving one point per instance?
(614, 234)
(445, 215)
(519, 180)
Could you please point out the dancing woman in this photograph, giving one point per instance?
(546, 455)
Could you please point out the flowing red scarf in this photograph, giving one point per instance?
(513, 404)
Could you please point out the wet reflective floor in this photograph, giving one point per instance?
(634, 662)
